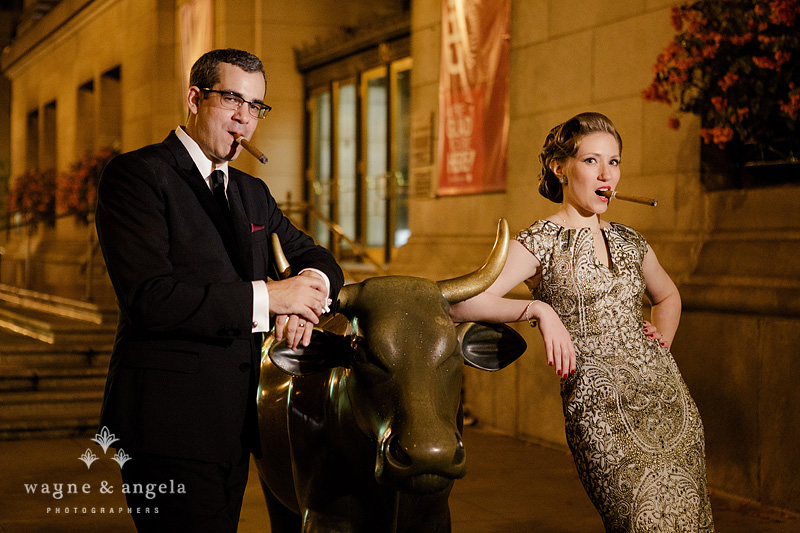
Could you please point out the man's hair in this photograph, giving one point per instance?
(205, 72)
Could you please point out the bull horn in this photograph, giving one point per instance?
(465, 287)
(281, 263)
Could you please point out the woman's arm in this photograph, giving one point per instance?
(664, 296)
(491, 306)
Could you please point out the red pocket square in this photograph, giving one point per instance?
(255, 227)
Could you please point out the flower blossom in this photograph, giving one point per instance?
(728, 81)
(784, 12)
(792, 107)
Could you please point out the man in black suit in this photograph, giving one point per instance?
(189, 268)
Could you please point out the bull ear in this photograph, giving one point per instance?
(489, 347)
(325, 351)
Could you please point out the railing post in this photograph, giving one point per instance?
(26, 270)
(89, 272)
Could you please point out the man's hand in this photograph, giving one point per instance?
(298, 302)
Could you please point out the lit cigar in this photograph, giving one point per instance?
(627, 198)
(247, 145)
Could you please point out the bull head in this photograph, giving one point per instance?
(404, 360)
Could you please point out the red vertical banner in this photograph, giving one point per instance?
(473, 96)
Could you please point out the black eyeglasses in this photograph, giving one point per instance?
(231, 100)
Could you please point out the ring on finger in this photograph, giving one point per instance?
(301, 324)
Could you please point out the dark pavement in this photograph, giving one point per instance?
(511, 486)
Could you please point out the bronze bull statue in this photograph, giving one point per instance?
(362, 432)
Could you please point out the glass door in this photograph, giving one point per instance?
(319, 168)
(357, 172)
(346, 183)
(400, 147)
(375, 154)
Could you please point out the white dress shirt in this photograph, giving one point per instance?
(260, 292)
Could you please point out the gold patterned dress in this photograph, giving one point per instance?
(634, 430)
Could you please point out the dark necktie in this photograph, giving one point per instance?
(218, 188)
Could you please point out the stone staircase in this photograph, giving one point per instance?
(54, 355)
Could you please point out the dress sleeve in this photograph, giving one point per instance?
(635, 238)
(534, 239)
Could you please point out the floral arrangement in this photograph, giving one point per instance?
(39, 195)
(76, 190)
(33, 195)
(735, 64)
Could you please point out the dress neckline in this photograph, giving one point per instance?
(611, 267)
(602, 229)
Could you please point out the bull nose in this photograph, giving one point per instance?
(446, 457)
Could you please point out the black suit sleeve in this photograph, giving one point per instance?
(169, 270)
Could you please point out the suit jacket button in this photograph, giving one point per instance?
(244, 367)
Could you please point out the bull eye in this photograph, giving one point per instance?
(365, 359)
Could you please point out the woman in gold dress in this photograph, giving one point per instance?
(634, 430)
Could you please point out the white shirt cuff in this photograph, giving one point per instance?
(328, 301)
(260, 306)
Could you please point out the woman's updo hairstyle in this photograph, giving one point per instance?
(562, 143)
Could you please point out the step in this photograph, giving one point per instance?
(48, 405)
(17, 379)
(52, 428)
(49, 414)
(97, 356)
(50, 328)
(56, 305)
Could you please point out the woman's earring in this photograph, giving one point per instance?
(563, 180)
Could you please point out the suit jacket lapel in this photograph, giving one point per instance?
(188, 171)
(241, 226)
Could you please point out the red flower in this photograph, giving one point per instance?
(717, 45)
(77, 189)
(743, 112)
(728, 81)
(784, 12)
(676, 18)
(782, 57)
(764, 62)
(656, 93)
(719, 135)
(792, 107)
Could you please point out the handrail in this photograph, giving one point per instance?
(92, 246)
(304, 207)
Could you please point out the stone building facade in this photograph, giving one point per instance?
(116, 64)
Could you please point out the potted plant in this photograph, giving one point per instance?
(736, 65)
(76, 190)
(32, 195)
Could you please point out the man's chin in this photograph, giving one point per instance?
(234, 153)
